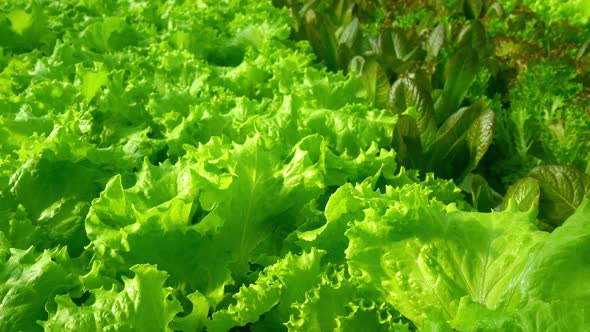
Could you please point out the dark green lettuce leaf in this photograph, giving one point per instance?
(524, 193)
(563, 189)
(461, 142)
(460, 71)
(407, 143)
(406, 93)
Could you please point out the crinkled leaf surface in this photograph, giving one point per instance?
(424, 255)
(28, 281)
(142, 304)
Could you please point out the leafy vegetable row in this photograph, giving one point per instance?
(186, 166)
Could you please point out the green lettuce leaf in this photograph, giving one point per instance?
(563, 189)
(124, 224)
(524, 193)
(534, 316)
(28, 281)
(422, 256)
(348, 203)
(142, 304)
(323, 308)
(278, 286)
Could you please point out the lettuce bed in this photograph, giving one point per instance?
(181, 166)
(493, 95)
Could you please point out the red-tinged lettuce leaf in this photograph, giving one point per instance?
(407, 144)
(480, 136)
(460, 72)
(474, 36)
(348, 42)
(319, 30)
(524, 194)
(396, 42)
(461, 142)
(406, 93)
(473, 8)
(143, 304)
(483, 197)
(563, 188)
(374, 79)
(387, 55)
(436, 40)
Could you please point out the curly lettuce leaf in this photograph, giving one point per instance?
(28, 281)
(323, 308)
(423, 256)
(277, 287)
(346, 205)
(301, 294)
(144, 303)
(124, 224)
